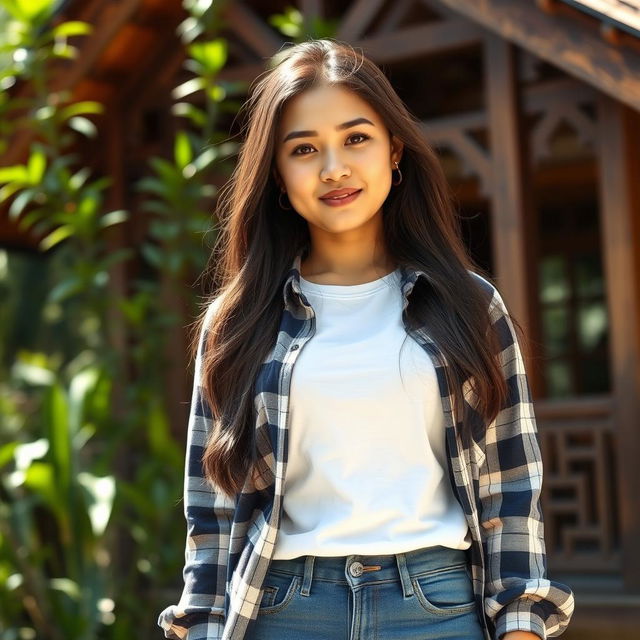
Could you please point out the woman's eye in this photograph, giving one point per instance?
(364, 137)
(359, 137)
(302, 146)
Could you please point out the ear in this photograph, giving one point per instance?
(397, 147)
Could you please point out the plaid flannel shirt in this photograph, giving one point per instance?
(497, 480)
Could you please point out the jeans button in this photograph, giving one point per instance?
(355, 569)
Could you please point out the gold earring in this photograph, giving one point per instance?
(282, 193)
(394, 181)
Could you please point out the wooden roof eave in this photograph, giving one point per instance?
(560, 41)
(618, 15)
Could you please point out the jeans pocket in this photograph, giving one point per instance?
(278, 591)
(446, 591)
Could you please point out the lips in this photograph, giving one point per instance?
(338, 194)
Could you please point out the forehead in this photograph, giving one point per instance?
(324, 106)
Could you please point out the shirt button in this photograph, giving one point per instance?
(295, 346)
(355, 569)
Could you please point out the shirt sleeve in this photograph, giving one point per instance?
(518, 594)
(199, 615)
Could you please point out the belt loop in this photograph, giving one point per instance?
(308, 575)
(405, 578)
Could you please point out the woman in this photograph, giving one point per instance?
(410, 508)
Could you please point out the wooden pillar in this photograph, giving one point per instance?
(512, 221)
(619, 158)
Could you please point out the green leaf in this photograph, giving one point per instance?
(113, 217)
(20, 202)
(41, 478)
(211, 55)
(168, 173)
(72, 28)
(7, 453)
(67, 586)
(85, 106)
(187, 88)
(198, 7)
(32, 9)
(182, 150)
(36, 165)
(15, 173)
(8, 190)
(45, 113)
(64, 50)
(27, 10)
(32, 373)
(31, 218)
(83, 126)
(152, 185)
(189, 29)
(290, 23)
(24, 454)
(100, 493)
(216, 93)
(154, 256)
(57, 235)
(81, 386)
(79, 178)
(56, 415)
(65, 289)
(205, 158)
(187, 110)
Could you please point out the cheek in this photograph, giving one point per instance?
(298, 176)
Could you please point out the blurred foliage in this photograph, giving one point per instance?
(91, 526)
(298, 27)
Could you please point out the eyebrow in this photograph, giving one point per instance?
(340, 127)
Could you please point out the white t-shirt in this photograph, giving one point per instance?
(367, 469)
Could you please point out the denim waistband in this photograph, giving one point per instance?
(358, 569)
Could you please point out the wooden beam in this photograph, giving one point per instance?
(358, 18)
(619, 161)
(440, 9)
(397, 11)
(560, 41)
(113, 17)
(422, 40)
(511, 211)
(620, 14)
(252, 29)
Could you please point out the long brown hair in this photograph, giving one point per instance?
(257, 241)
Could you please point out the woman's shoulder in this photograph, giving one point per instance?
(496, 302)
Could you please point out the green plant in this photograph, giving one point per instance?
(295, 25)
(54, 509)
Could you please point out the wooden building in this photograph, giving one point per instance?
(535, 110)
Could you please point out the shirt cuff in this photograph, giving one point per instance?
(520, 615)
(194, 625)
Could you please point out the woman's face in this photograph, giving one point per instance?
(330, 139)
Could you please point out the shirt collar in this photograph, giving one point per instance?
(409, 276)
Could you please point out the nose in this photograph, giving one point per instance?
(334, 168)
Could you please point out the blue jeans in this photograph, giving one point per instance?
(425, 594)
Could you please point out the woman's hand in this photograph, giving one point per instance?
(520, 635)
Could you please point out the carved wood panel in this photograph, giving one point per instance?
(579, 496)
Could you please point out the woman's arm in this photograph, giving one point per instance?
(199, 615)
(518, 595)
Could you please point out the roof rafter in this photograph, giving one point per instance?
(560, 41)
